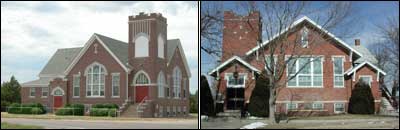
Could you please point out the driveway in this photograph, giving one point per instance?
(104, 124)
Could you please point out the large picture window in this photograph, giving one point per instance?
(338, 71)
(309, 72)
(95, 80)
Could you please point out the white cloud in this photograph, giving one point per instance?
(35, 30)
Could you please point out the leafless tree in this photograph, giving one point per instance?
(283, 52)
(211, 20)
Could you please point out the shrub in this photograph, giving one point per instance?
(259, 105)
(32, 108)
(71, 109)
(361, 100)
(206, 101)
(104, 110)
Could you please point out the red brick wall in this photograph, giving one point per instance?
(112, 66)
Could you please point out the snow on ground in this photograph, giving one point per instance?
(254, 125)
(203, 117)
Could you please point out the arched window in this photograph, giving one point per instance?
(57, 92)
(161, 84)
(177, 82)
(141, 45)
(95, 80)
(160, 46)
(142, 78)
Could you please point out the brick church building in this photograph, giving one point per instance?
(323, 88)
(146, 77)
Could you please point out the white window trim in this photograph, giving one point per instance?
(73, 87)
(161, 86)
(30, 92)
(160, 55)
(47, 92)
(287, 106)
(304, 29)
(312, 72)
(334, 108)
(177, 85)
(333, 68)
(275, 60)
(314, 105)
(137, 75)
(235, 86)
(112, 85)
(368, 76)
(143, 52)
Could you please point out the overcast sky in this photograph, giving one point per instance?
(31, 32)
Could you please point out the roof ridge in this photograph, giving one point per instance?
(110, 38)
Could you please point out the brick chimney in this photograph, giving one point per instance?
(357, 42)
(240, 33)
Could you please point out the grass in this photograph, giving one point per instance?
(52, 116)
(5, 125)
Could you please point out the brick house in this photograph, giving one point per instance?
(146, 77)
(324, 88)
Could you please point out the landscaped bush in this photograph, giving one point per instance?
(206, 101)
(361, 100)
(259, 105)
(104, 110)
(31, 108)
(71, 109)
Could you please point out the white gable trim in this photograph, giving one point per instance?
(353, 70)
(184, 59)
(230, 60)
(305, 18)
(86, 47)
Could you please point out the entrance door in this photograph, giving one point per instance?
(235, 98)
(57, 101)
(141, 92)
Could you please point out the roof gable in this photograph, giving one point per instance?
(297, 22)
(234, 58)
(352, 70)
(100, 38)
(172, 45)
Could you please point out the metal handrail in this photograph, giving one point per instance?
(141, 103)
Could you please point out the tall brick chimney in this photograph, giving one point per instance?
(240, 33)
(357, 42)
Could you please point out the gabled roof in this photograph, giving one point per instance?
(59, 62)
(234, 58)
(172, 45)
(297, 22)
(352, 70)
(367, 56)
(112, 46)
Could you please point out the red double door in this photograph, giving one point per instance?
(141, 92)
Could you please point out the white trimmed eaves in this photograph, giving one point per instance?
(86, 47)
(305, 18)
(231, 60)
(352, 70)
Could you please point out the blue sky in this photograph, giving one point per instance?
(368, 14)
(31, 32)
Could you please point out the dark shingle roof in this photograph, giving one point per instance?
(59, 62)
(119, 48)
(367, 56)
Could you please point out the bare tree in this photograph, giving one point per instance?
(211, 20)
(281, 52)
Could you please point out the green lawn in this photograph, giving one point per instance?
(5, 125)
(345, 116)
(52, 116)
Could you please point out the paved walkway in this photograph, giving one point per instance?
(104, 124)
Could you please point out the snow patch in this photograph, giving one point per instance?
(203, 117)
(254, 125)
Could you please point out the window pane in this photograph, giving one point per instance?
(338, 80)
(338, 65)
(304, 80)
(317, 81)
(96, 90)
(304, 66)
(317, 66)
(292, 82)
(292, 66)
